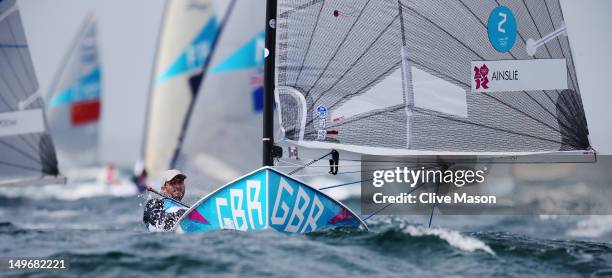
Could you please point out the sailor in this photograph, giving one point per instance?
(161, 214)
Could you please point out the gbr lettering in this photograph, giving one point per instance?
(297, 214)
(241, 219)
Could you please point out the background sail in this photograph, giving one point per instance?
(74, 104)
(28, 154)
(185, 42)
(223, 137)
(394, 77)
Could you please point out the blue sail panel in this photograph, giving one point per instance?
(248, 56)
(195, 55)
(87, 88)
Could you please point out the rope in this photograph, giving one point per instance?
(308, 164)
(376, 212)
(343, 184)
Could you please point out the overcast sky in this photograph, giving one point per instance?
(128, 32)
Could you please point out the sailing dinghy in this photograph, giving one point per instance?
(447, 79)
(27, 151)
(75, 112)
(262, 199)
(74, 101)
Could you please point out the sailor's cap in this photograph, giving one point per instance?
(171, 174)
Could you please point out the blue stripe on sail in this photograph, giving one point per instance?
(86, 88)
(195, 55)
(248, 56)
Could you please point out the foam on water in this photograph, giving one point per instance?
(454, 238)
(592, 227)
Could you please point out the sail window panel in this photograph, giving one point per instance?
(434, 93)
(385, 94)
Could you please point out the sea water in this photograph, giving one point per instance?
(103, 236)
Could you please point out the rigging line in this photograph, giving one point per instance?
(308, 164)
(343, 184)
(309, 44)
(360, 181)
(349, 68)
(341, 173)
(433, 207)
(387, 205)
(289, 162)
(317, 166)
(338, 48)
(360, 171)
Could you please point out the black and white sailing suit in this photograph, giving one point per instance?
(161, 214)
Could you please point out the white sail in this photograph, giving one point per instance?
(27, 153)
(397, 77)
(74, 101)
(187, 35)
(223, 137)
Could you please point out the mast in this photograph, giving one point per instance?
(268, 111)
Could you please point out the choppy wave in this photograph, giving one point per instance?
(454, 238)
(592, 227)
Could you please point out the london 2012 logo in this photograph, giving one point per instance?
(502, 29)
(481, 77)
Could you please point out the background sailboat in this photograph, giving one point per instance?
(74, 101)
(74, 111)
(187, 35)
(28, 154)
(222, 138)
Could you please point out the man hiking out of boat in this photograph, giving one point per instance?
(161, 214)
